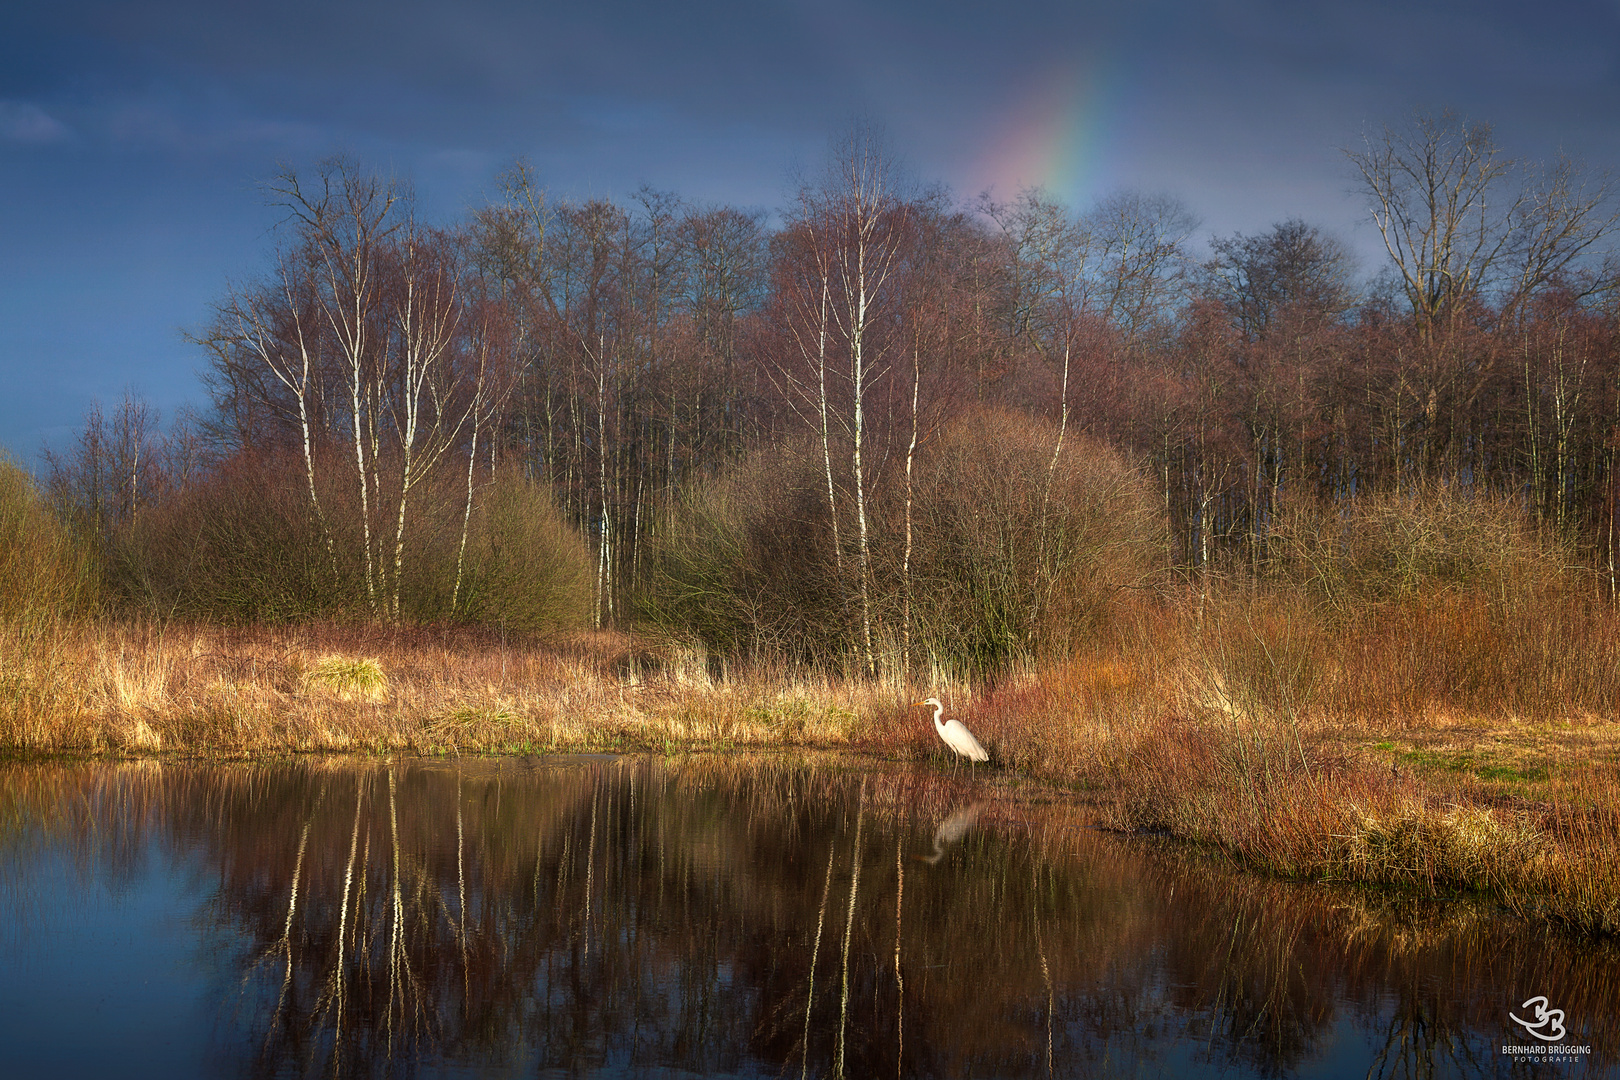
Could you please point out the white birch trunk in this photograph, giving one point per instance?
(905, 559)
(466, 512)
(858, 372)
(826, 433)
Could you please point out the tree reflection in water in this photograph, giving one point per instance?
(761, 916)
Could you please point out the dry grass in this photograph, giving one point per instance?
(1232, 733)
(138, 688)
(349, 678)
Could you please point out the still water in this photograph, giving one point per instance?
(713, 916)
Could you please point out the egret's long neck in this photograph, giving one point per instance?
(939, 710)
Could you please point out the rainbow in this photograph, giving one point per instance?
(1057, 137)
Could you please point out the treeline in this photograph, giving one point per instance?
(879, 428)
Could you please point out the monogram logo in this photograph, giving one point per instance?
(1544, 1023)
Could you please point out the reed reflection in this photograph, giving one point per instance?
(776, 918)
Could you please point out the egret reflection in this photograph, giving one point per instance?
(952, 829)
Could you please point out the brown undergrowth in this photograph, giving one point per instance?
(1233, 735)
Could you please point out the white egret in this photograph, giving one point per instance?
(955, 735)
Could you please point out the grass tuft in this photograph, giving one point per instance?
(1461, 848)
(351, 679)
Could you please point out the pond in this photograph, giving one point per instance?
(717, 916)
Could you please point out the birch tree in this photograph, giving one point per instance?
(345, 218)
(426, 414)
(491, 350)
(275, 330)
(868, 218)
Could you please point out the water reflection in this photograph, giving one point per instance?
(746, 917)
(953, 829)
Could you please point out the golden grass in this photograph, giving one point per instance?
(349, 678)
(138, 688)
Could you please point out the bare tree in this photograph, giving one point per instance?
(113, 471)
(490, 368)
(724, 264)
(930, 300)
(426, 414)
(344, 219)
(1293, 268)
(1141, 258)
(862, 220)
(275, 329)
(1052, 256)
(1465, 224)
(1286, 292)
(355, 343)
(802, 291)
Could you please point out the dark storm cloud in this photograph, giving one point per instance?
(552, 79)
(132, 135)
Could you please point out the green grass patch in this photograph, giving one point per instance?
(1512, 774)
(1464, 762)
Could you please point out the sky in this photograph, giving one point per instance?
(135, 136)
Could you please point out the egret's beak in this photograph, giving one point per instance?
(914, 704)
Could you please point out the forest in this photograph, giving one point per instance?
(887, 428)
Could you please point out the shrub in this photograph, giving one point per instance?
(245, 546)
(1011, 557)
(1395, 546)
(1434, 600)
(44, 572)
(747, 566)
(241, 546)
(47, 576)
(525, 569)
(1016, 556)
